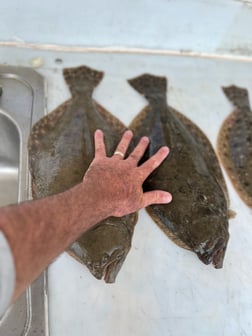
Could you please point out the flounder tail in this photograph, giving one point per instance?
(82, 79)
(238, 96)
(149, 85)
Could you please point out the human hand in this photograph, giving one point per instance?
(115, 183)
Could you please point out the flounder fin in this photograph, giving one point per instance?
(238, 96)
(149, 85)
(82, 79)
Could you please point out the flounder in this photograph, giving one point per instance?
(234, 144)
(197, 218)
(61, 148)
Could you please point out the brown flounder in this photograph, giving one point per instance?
(61, 148)
(197, 218)
(234, 144)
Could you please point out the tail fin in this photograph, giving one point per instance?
(238, 96)
(82, 79)
(149, 85)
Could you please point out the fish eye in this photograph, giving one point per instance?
(202, 198)
(96, 265)
(105, 258)
(119, 257)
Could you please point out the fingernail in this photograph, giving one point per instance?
(98, 131)
(167, 198)
(145, 138)
(129, 132)
(165, 149)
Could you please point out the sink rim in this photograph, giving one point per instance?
(35, 297)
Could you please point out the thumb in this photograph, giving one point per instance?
(156, 197)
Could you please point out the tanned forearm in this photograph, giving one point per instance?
(40, 230)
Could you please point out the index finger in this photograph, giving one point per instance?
(154, 161)
(100, 150)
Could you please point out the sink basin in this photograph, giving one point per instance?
(22, 103)
(9, 159)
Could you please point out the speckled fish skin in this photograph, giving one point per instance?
(61, 148)
(234, 143)
(197, 218)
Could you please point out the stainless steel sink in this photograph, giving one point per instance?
(22, 102)
(9, 159)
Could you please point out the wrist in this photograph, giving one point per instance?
(85, 209)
